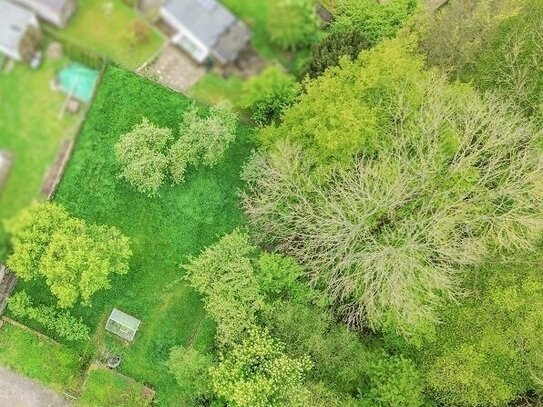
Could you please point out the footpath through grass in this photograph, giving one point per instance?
(164, 230)
(54, 365)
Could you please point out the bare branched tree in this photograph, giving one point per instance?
(388, 235)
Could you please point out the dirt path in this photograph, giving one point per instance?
(19, 391)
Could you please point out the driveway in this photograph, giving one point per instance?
(18, 391)
(175, 69)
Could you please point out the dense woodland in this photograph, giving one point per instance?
(392, 255)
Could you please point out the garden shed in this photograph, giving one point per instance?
(122, 324)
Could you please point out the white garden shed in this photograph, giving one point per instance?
(122, 324)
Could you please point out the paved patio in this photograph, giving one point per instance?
(175, 69)
(19, 391)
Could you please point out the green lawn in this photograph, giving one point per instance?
(106, 26)
(106, 388)
(213, 88)
(54, 365)
(31, 130)
(163, 230)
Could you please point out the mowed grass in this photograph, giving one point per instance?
(164, 230)
(31, 130)
(213, 89)
(106, 26)
(106, 388)
(54, 365)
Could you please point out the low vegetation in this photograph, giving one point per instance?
(31, 356)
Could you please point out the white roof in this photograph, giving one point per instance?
(14, 22)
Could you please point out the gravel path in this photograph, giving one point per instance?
(19, 391)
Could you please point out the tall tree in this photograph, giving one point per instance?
(258, 373)
(488, 349)
(74, 258)
(142, 155)
(223, 273)
(458, 177)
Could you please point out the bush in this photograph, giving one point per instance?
(267, 95)
(62, 323)
(328, 52)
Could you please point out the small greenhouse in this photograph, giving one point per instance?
(122, 324)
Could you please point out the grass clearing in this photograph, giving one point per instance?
(164, 230)
(107, 28)
(32, 356)
(104, 387)
(213, 88)
(31, 130)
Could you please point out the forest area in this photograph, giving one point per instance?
(388, 249)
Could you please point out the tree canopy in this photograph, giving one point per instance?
(73, 257)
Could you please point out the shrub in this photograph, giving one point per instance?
(337, 44)
(268, 94)
(62, 323)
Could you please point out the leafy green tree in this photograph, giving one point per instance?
(292, 23)
(347, 111)
(453, 37)
(202, 140)
(268, 94)
(394, 381)
(74, 258)
(191, 369)
(31, 231)
(511, 61)
(341, 360)
(141, 154)
(258, 373)
(224, 275)
(279, 277)
(488, 349)
(456, 178)
(327, 53)
(377, 20)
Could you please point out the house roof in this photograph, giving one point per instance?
(14, 22)
(207, 20)
(124, 319)
(53, 5)
(231, 42)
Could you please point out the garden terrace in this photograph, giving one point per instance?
(164, 230)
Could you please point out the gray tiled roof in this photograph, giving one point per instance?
(231, 42)
(53, 5)
(205, 19)
(14, 22)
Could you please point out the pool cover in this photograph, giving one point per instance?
(78, 80)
